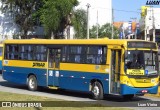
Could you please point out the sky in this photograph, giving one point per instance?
(127, 10)
(123, 10)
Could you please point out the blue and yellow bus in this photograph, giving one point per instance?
(101, 66)
(1, 52)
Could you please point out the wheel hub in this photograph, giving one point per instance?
(31, 83)
(95, 91)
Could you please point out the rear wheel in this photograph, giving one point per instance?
(97, 91)
(32, 83)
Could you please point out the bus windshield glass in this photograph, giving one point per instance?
(1, 51)
(138, 59)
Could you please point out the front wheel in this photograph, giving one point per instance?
(97, 91)
(32, 83)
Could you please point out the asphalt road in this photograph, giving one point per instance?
(111, 100)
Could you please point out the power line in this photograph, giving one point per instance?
(128, 11)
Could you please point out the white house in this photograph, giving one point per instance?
(100, 11)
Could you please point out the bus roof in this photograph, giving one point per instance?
(74, 41)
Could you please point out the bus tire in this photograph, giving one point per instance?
(128, 97)
(97, 91)
(32, 83)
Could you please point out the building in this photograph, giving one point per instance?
(7, 26)
(128, 30)
(150, 23)
(118, 24)
(100, 12)
(100, 8)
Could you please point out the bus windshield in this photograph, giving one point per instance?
(1, 51)
(138, 59)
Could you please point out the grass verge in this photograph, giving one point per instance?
(5, 96)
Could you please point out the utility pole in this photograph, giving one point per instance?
(69, 26)
(88, 6)
(153, 23)
(97, 24)
(145, 29)
(123, 37)
(112, 24)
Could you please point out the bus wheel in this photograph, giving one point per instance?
(128, 97)
(32, 83)
(97, 91)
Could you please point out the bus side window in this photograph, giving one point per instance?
(99, 56)
(78, 53)
(104, 53)
(77, 58)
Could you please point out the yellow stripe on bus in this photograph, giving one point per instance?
(27, 64)
(85, 67)
(63, 66)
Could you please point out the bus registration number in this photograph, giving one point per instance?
(135, 72)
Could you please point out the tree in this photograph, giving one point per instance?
(23, 12)
(79, 22)
(93, 31)
(104, 31)
(54, 16)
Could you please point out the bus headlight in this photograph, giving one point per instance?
(154, 81)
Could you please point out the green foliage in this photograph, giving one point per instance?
(54, 15)
(23, 12)
(93, 31)
(79, 22)
(104, 31)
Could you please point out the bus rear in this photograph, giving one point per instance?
(141, 69)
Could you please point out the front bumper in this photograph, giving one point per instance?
(131, 90)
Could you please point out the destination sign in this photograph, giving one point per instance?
(135, 44)
(135, 72)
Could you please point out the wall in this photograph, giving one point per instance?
(104, 8)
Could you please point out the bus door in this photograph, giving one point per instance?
(53, 66)
(115, 71)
